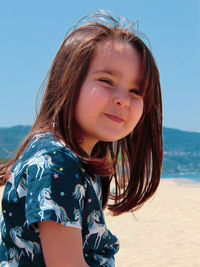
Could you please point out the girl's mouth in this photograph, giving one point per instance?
(114, 118)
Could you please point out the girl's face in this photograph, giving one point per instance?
(109, 105)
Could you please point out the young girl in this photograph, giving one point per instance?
(100, 121)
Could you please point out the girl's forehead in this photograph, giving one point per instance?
(116, 56)
(113, 52)
(109, 47)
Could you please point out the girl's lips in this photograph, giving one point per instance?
(114, 118)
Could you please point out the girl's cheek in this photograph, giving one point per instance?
(99, 93)
(138, 107)
(141, 108)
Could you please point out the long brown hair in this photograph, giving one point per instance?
(134, 162)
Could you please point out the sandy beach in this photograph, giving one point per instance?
(164, 232)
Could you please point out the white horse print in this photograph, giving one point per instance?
(30, 248)
(58, 143)
(4, 264)
(13, 255)
(95, 227)
(14, 259)
(22, 187)
(41, 161)
(35, 138)
(97, 189)
(102, 260)
(46, 203)
(11, 180)
(2, 227)
(77, 217)
(79, 193)
(17, 169)
(76, 221)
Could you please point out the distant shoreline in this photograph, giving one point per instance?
(191, 177)
(181, 181)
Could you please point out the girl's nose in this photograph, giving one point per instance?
(121, 100)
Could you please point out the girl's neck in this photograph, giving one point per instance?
(87, 146)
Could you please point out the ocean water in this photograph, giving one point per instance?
(194, 177)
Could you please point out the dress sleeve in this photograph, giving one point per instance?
(56, 189)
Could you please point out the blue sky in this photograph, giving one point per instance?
(32, 31)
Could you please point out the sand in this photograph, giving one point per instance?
(164, 232)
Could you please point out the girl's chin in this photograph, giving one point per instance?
(112, 139)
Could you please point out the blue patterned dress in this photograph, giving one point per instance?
(49, 182)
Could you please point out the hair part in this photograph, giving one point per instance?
(134, 162)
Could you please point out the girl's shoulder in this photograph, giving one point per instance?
(45, 143)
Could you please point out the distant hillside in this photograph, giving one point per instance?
(181, 149)
(10, 139)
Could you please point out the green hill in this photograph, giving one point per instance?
(181, 149)
(10, 139)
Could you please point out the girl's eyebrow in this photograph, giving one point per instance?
(108, 71)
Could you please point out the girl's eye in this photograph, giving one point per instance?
(135, 92)
(106, 81)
